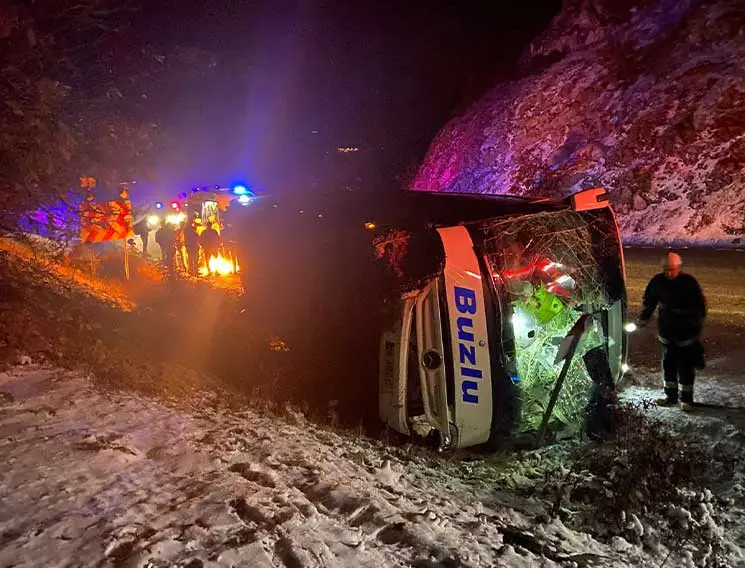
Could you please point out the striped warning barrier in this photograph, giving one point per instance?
(104, 222)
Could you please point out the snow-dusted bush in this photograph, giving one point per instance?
(648, 486)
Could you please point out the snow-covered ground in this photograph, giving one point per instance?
(96, 478)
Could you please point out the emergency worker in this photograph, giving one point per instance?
(166, 239)
(191, 242)
(210, 241)
(142, 230)
(682, 309)
(179, 246)
(227, 238)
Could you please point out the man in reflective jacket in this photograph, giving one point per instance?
(682, 309)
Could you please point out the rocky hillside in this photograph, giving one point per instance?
(643, 97)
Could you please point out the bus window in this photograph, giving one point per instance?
(548, 271)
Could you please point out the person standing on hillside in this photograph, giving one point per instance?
(191, 241)
(682, 309)
(166, 239)
(142, 230)
(210, 241)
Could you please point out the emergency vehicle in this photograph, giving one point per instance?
(424, 307)
(205, 206)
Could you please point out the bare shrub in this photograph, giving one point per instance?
(648, 486)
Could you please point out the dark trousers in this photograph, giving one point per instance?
(168, 257)
(193, 254)
(145, 238)
(678, 369)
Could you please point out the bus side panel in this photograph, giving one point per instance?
(469, 338)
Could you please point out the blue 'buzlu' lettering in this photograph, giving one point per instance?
(465, 300)
(467, 354)
(474, 373)
(465, 303)
(462, 323)
(467, 387)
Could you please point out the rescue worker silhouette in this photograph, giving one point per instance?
(166, 239)
(191, 242)
(142, 230)
(210, 241)
(682, 309)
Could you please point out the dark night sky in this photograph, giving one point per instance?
(385, 73)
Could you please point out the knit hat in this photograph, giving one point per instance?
(672, 260)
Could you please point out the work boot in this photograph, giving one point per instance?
(665, 401)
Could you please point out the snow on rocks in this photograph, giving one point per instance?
(634, 100)
(95, 478)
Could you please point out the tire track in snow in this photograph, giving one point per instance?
(381, 512)
(325, 506)
(358, 520)
(226, 488)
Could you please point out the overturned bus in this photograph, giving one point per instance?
(443, 315)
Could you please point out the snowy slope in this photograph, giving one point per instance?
(93, 478)
(643, 97)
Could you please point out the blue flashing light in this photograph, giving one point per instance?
(240, 190)
(158, 205)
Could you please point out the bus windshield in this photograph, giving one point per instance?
(548, 269)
